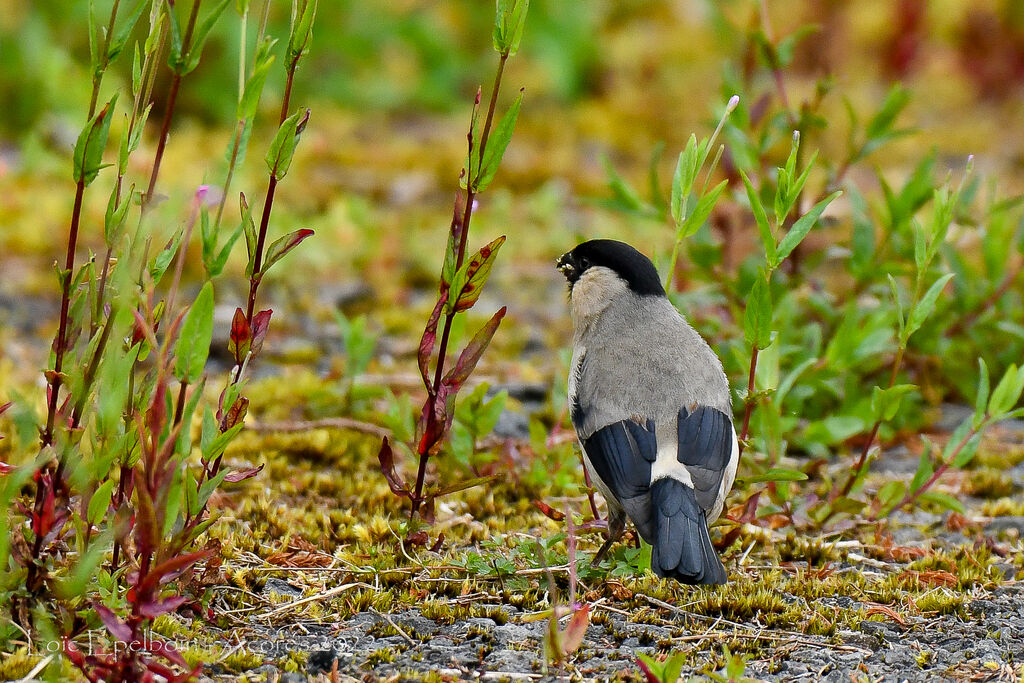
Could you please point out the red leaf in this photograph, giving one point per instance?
(5, 406)
(467, 289)
(575, 630)
(156, 416)
(428, 340)
(242, 475)
(281, 246)
(260, 325)
(166, 570)
(6, 469)
(451, 252)
(387, 467)
(415, 539)
(157, 608)
(117, 628)
(240, 338)
(235, 414)
(43, 522)
(470, 356)
(549, 512)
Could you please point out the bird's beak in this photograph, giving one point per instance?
(564, 264)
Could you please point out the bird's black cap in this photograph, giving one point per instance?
(628, 263)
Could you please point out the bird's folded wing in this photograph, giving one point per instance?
(621, 454)
(705, 447)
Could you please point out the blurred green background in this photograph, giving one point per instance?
(390, 84)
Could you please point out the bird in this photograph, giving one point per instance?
(651, 406)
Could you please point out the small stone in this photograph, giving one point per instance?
(282, 588)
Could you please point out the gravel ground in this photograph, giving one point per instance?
(985, 647)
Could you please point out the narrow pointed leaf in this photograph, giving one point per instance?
(800, 229)
(468, 281)
(497, 143)
(924, 308)
(386, 457)
(428, 340)
(88, 157)
(470, 356)
(757, 318)
(767, 238)
(282, 246)
(194, 340)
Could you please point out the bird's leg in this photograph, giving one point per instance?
(616, 527)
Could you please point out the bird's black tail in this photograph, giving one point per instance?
(682, 547)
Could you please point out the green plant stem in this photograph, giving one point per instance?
(424, 449)
(748, 402)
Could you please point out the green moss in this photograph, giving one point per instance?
(989, 483)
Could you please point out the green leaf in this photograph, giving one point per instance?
(249, 230)
(942, 500)
(967, 452)
(757, 318)
(924, 308)
(250, 99)
(509, 22)
(704, 207)
(216, 266)
(175, 58)
(120, 38)
(767, 238)
(1007, 392)
(886, 402)
(774, 474)
(468, 281)
(88, 157)
(282, 148)
(195, 49)
(981, 397)
(800, 229)
(194, 340)
(881, 123)
(100, 501)
(925, 468)
(301, 31)
(497, 143)
(890, 494)
(900, 319)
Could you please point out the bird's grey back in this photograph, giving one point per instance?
(641, 358)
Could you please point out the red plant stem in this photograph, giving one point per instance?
(268, 204)
(60, 343)
(172, 96)
(467, 216)
(256, 278)
(939, 471)
(748, 402)
(855, 472)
